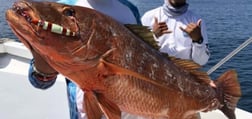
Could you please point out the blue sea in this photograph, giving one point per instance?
(228, 24)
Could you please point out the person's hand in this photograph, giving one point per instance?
(212, 84)
(194, 31)
(160, 28)
(41, 65)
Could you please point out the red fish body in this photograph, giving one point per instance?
(118, 70)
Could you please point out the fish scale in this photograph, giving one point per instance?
(134, 95)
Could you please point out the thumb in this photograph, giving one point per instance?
(199, 22)
(155, 20)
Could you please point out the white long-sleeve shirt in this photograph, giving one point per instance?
(178, 43)
(112, 8)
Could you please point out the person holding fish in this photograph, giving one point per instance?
(179, 31)
(43, 76)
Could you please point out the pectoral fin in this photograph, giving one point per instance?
(91, 106)
(111, 110)
(110, 68)
(96, 105)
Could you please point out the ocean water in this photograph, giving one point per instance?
(228, 24)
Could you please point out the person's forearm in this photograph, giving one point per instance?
(41, 65)
(41, 74)
(37, 82)
(200, 53)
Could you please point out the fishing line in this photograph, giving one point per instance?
(230, 55)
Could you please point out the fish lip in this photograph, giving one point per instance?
(23, 9)
(20, 8)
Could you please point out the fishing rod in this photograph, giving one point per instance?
(230, 55)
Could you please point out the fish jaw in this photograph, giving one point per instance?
(19, 21)
(20, 18)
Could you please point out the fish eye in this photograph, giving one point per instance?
(68, 11)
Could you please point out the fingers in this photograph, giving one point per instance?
(193, 30)
(199, 22)
(155, 20)
(212, 84)
(161, 25)
(192, 25)
(160, 28)
(166, 31)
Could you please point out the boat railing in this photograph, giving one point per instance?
(230, 55)
(12, 47)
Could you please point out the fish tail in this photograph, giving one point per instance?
(229, 92)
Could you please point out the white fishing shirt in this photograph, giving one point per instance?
(179, 43)
(112, 8)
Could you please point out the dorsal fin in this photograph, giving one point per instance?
(144, 33)
(193, 68)
(186, 64)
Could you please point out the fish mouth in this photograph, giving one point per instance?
(19, 18)
(22, 9)
(25, 10)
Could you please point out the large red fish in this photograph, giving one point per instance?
(118, 70)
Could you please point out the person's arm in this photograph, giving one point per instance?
(197, 31)
(200, 51)
(41, 75)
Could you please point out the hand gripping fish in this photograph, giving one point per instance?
(115, 67)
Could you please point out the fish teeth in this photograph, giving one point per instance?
(29, 19)
(21, 11)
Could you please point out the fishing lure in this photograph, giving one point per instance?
(54, 28)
